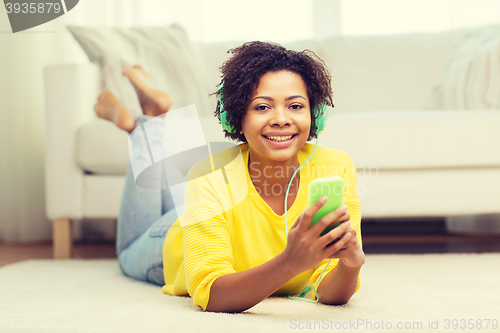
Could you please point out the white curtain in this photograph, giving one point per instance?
(22, 57)
(22, 104)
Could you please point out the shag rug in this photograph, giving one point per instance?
(399, 293)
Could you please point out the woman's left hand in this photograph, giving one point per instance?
(351, 253)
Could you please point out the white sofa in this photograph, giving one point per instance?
(412, 161)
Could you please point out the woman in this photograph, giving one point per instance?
(231, 259)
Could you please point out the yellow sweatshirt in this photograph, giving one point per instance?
(229, 228)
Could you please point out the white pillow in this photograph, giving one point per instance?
(471, 79)
(165, 52)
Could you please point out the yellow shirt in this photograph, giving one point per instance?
(229, 228)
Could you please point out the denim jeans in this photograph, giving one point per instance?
(146, 214)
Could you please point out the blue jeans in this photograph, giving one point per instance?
(145, 216)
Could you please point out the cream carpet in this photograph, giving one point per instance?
(399, 293)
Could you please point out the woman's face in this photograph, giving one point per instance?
(278, 119)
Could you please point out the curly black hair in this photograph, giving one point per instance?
(242, 72)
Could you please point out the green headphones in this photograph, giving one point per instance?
(320, 113)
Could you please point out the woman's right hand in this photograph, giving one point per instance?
(305, 247)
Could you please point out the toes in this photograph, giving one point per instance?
(125, 69)
(142, 70)
(100, 96)
(106, 95)
(164, 102)
(103, 94)
(97, 109)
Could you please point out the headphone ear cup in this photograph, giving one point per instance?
(224, 121)
(321, 113)
(226, 124)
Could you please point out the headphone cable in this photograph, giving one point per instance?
(314, 285)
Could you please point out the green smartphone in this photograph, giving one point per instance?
(333, 188)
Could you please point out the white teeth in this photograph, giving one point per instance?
(280, 138)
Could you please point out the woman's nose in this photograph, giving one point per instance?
(280, 116)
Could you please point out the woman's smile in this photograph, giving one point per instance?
(281, 140)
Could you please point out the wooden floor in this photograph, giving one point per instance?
(372, 244)
(418, 244)
(10, 253)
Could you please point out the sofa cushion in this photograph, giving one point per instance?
(471, 78)
(417, 139)
(386, 72)
(102, 148)
(384, 140)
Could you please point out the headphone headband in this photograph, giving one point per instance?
(320, 114)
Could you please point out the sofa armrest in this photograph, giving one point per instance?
(70, 92)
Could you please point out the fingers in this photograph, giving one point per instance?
(338, 215)
(345, 217)
(350, 252)
(307, 216)
(341, 233)
(297, 221)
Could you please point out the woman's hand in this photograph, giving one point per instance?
(351, 255)
(306, 248)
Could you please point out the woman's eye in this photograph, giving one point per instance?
(296, 106)
(261, 108)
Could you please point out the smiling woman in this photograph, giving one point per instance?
(231, 254)
(269, 99)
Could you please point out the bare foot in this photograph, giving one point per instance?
(153, 101)
(109, 107)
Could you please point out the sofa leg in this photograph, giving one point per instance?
(61, 238)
